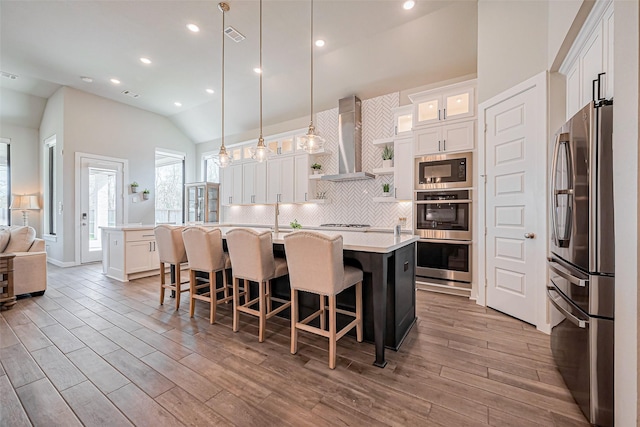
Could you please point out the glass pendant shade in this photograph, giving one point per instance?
(311, 142)
(224, 159)
(261, 152)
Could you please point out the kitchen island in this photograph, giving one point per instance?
(388, 263)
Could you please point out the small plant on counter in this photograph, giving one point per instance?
(387, 153)
(134, 187)
(295, 224)
(385, 188)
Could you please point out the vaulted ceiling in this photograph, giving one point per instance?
(372, 47)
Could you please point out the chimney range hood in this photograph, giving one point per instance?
(349, 142)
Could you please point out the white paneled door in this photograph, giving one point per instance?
(515, 147)
(101, 203)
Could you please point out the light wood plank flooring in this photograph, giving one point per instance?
(93, 351)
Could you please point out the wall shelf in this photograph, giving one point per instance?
(321, 152)
(384, 171)
(383, 141)
(316, 176)
(385, 199)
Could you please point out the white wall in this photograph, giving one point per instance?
(565, 20)
(512, 44)
(25, 170)
(625, 161)
(103, 127)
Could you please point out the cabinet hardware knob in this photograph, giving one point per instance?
(529, 235)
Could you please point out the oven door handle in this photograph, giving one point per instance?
(441, 202)
(560, 271)
(573, 319)
(456, 242)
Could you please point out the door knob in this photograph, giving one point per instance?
(529, 235)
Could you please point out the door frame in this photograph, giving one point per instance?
(540, 85)
(77, 199)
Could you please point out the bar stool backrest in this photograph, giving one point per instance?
(251, 254)
(204, 248)
(169, 243)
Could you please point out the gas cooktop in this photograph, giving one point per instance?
(346, 225)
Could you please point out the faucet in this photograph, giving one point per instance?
(276, 229)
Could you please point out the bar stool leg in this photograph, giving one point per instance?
(192, 292)
(178, 287)
(212, 297)
(263, 315)
(359, 311)
(226, 287)
(162, 283)
(236, 302)
(323, 314)
(332, 331)
(294, 320)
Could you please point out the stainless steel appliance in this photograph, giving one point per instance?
(443, 171)
(581, 261)
(443, 214)
(449, 261)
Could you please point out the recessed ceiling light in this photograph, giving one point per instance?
(86, 79)
(193, 28)
(408, 4)
(319, 42)
(178, 104)
(115, 81)
(145, 60)
(210, 91)
(257, 70)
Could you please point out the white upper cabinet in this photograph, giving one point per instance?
(280, 182)
(403, 165)
(304, 188)
(254, 179)
(441, 105)
(231, 185)
(285, 144)
(402, 120)
(446, 138)
(588, 67)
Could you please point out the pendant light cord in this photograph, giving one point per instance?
(222, 94)
(311, 114)
(261, 72)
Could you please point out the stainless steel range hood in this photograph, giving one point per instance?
(349, 142)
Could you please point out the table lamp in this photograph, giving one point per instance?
(25, 204)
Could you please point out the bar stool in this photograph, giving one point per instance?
(316, 265)
(252, 258)
(170, 251)
(205, 254)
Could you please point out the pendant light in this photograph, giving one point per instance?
(223, 157)
(311, 142)
(260, 152)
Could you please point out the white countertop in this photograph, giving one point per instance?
(364, 241)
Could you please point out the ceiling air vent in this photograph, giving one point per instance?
(8, 75)
(234, 34)
(130, 94)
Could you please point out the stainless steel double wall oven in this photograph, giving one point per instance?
(443, 219)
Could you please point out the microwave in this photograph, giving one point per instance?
(443, 171)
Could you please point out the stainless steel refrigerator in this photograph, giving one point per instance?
(581, 259)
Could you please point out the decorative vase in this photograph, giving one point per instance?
(145, 196)
(386, 193)
(134, 188)
(387, 163)
(316, 172)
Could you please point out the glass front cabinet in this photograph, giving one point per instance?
(202, 202)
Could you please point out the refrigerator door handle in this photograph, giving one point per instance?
(568, 276)
(561, 142)
(573, 319)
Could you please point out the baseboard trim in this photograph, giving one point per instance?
(62, 264)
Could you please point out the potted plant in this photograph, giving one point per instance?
(134, 187)
(317, 167)
(295, 224)
(387, 157)
(385, 190)
(145, 194)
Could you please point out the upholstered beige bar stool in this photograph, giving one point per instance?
(205, 254)
(170, 251)
(316, 265)
(252, 258)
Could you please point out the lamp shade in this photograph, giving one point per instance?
(25, 202)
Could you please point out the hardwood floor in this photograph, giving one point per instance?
(94, 351)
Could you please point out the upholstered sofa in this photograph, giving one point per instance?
(30, 263)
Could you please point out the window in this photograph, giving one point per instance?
(5, 181)
(169, 191)
(210, 168)
(50, 196)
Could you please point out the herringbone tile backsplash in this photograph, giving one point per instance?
(348, 202)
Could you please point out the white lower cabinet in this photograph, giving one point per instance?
(280, 183)
(446, 138)
(403, 165)
(129, 254)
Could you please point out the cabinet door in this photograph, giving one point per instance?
(301, 178)
(236, 194)
(427, 111)
(227, 185)
(402, 120)
(608, 57)
(573, 90)
(260, 186)
(273, 180)
(138, 256)
(248, 182)
(115, 257)
(458, 104)
(287, 178)
(428, 141)
(458, 136)
(154, 256)
(403, 164)
(591, 63)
